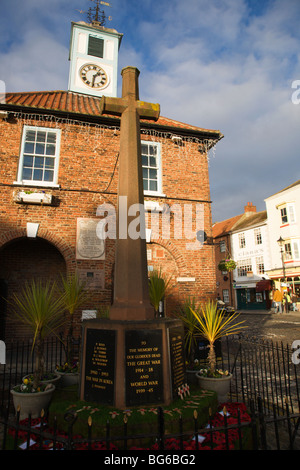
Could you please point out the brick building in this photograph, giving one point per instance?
(59, 171)
(244, 239)
(222, 243)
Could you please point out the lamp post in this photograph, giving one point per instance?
(280, 242)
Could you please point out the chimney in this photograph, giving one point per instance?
(249, 208)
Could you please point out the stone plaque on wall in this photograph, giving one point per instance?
(176, 348)
(144, 377)
(99, 374)
(93, 279)
(88, 244)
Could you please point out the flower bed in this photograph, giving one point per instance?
(218, 373)
(68, 368)
(213, 439)
(27, 387)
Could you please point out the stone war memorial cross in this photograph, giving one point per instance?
(131, 298)
(131, 358)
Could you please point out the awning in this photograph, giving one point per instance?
(264, 284)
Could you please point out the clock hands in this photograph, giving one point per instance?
(94, 78)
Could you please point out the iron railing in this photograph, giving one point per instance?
(262, 368)
(264, 378)
(250, 432)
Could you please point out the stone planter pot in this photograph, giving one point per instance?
(32, 403)
(68, 378)
(220, 385)
(53, 381)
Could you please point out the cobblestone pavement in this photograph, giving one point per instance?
(278, 327)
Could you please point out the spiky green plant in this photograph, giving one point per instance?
(212, 324)
(158, 284)
(40, 308)
(74, 295)
(190, 323)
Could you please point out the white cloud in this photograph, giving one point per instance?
(234, 74)
(39, 63)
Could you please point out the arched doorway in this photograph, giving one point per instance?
(22, 260)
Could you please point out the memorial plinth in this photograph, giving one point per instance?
(132, 363)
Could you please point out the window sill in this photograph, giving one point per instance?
(154, 193)
(32, 184)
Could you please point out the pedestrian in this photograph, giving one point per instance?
(286, 302)
(294, 299)
(277, 299)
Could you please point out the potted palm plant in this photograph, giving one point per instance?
(212, 325)
(158, 285)
(40, 308)
(74, 295)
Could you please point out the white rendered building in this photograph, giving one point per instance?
(283, 210)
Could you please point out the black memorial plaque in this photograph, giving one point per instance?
(143, 366)
(100, 366)
(176, 346)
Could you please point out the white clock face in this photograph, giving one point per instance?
(93, 76)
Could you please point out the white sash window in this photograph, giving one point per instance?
(39, 156)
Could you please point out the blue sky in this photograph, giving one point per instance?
(217, 64)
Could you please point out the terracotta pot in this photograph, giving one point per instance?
(68, 378)
(220, 385)
(32, 403)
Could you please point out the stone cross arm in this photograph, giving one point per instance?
(116, 107)
(130, 99)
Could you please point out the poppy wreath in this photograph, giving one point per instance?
(215, 440)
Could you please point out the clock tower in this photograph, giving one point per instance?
(94, 59)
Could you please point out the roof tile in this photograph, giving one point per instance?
(220, 229)
(83, 104)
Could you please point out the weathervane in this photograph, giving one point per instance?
(95, 14)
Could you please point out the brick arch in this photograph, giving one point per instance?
(66, 251)
(166, 256)
(175, 253)
(54, 239)
(22, 260)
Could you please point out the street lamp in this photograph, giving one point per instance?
(280, 242)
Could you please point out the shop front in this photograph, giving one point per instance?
(253, 296)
